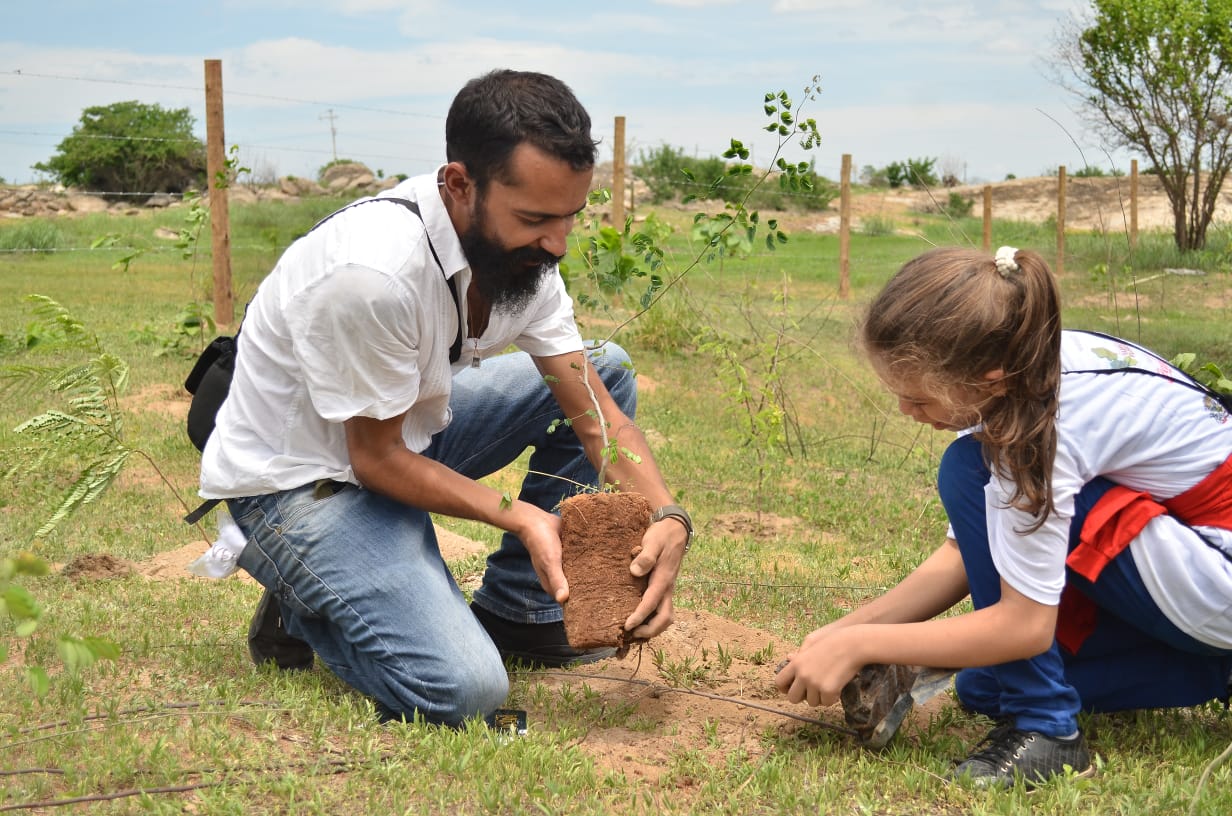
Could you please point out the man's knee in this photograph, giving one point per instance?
(472, 689)
(477, 695)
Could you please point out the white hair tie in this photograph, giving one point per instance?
(1004, 259)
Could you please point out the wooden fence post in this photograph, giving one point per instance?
(987, 217)
(1059, 267)
(216, 172)
(1133, 204)
(844, 230)
(618, 175)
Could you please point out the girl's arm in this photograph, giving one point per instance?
(933, 587)
(1014, 628)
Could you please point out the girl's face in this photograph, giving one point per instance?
(955, 409)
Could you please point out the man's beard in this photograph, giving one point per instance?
(507, 278)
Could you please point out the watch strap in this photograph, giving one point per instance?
(677, 512)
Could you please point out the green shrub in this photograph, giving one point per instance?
(669, 174)
(34, 236)
(912, 173)
(875, 225)
(956, 206)
(130, 147)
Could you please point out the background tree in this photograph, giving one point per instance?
(130, 147)
(1156, 75)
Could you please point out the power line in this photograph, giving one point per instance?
(201, 90)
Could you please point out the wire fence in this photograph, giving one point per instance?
(257, 172)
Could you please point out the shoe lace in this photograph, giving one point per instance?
(1000, 746)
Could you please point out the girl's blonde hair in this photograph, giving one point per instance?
(951, 316)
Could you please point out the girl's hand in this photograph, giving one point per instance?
(824, 663)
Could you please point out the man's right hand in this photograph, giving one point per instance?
(539, 532)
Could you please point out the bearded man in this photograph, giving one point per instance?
(372, 389)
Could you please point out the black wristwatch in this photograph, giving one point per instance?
(680, 514)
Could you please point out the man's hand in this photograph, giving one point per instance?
(539, 532)
(660, 558)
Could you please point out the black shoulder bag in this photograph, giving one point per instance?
(209, 382)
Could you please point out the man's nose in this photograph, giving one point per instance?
(555, 237)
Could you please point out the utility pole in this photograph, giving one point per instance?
(333, 132)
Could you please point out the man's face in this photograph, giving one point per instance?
(519, 224)
(507, 277)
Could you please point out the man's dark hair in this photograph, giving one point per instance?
(496, 112)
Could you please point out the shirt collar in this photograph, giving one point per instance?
(436, 219)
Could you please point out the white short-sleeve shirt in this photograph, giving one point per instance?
(1146, 433)
(357, 319)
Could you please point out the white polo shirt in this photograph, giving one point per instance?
(357, 319)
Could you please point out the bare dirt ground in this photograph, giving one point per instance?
(728, 703)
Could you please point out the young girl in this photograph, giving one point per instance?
(1089, 496)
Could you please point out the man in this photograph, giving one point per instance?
(349, 420)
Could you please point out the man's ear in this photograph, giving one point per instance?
(458, 184)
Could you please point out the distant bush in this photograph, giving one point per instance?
(876, 225)
(130, 147)
(919, 172)
(957, 206)
(670, 174)
(1090, 171)
(874, 176)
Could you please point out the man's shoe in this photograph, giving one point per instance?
(268, 642)
(1008, 754)
(536, 645)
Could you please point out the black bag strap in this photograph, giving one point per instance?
(1185, 380)
(455, 350)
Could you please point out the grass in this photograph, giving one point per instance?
(846, 508)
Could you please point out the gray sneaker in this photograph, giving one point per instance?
(1008, 754)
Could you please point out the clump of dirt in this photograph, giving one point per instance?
(600, 535)
(758, 525)
(93, 566)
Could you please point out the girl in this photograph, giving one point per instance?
(1089, 496)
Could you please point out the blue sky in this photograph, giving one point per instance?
(963, 81)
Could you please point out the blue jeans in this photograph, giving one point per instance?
(1135, 658)
(360, 577)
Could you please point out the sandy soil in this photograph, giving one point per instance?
(1091, 204)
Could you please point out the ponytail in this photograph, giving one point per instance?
(951, 316)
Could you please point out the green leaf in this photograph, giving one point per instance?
(38, 680)
(102, 648)
(21, 604)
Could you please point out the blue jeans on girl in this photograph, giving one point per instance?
(1135, 658)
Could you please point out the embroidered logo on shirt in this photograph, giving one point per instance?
(1215, 409)
(1115, 360)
